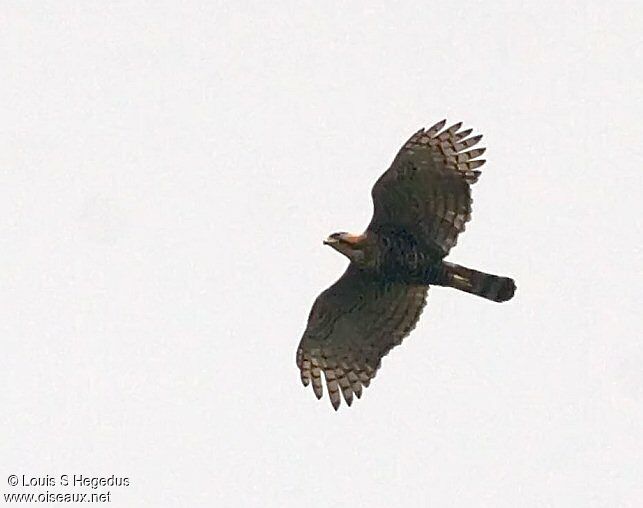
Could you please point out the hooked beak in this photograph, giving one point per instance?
(330, 241)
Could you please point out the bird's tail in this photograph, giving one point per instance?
(491, 287)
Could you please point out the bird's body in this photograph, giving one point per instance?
(395, 256)
(421, 204)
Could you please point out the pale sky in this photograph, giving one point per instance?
(168, 171)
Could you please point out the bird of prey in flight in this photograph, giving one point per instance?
(421, 204)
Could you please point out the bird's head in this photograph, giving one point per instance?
(352, 246)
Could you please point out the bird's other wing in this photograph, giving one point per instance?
(352, 325)
(426, 191)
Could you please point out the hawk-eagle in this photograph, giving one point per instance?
(421, 204)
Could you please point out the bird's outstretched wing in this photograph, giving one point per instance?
(426, 191)
(351, 326)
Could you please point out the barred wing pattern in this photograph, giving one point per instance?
(352, 325)
(426, 191)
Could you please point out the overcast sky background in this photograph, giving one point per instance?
(168, 171)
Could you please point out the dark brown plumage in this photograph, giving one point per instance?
(421, 205)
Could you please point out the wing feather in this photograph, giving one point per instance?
(351, 327)
(426, 191)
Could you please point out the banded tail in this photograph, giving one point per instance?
(491, 287)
